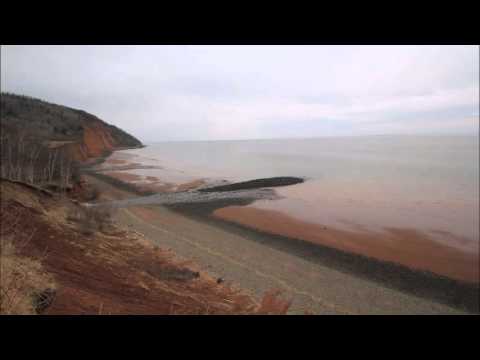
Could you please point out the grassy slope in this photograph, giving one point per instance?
(112, 272)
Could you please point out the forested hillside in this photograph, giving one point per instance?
(41, 143)
(53, 122)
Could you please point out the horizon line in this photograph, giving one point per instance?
(315, 137)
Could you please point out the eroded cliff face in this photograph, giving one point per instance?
(97, 141)
(85, 135)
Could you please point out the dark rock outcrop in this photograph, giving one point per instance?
(256, 184)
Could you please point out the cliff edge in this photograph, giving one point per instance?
(85, 135)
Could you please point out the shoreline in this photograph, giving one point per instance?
(402, 246)
(399, 245)
(424, 284)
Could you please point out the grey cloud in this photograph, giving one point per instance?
(326, 98)
(182, 92)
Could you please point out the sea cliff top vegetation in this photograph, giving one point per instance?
(52, 122)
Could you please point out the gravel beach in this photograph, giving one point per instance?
(318, 279)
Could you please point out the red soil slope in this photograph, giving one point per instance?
(114, 272)
(96, 141)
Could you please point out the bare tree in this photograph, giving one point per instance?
(65, 169)
(33, 155)
(23, 157)
(3, 155)
(52, 160)
(20, 155)
(10, 159)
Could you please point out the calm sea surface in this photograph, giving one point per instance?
(430, 183)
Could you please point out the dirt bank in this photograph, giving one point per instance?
(113, 271)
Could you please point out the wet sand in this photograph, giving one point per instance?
(398, 257)
(152, 183)
(124, 176)
(407, 247)
(319, 278)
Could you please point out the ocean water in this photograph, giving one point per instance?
(428, 183)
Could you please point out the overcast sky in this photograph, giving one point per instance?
(241, 92)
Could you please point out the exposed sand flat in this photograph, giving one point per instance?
(124, 176)
(253, 265)
(152, 183)
(404, 246)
